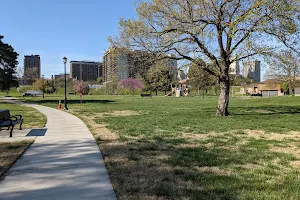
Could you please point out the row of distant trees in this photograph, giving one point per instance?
(285, 67)
(214, 30)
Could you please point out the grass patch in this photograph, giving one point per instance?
(32, 117)
(10, 152)
(176, 148)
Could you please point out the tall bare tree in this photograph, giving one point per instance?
(285, 66)
(31, 75)
(215, 30)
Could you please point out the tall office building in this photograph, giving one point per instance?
(251, 69)
(84, 70)
(62, 75)
(235, 68)
(32, 67)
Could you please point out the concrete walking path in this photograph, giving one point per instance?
(64, 164)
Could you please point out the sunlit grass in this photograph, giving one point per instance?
(176, 148)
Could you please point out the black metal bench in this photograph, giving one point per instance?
(6, 120)
(146, 95)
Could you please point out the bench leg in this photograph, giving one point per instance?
(11, 130)
(21, 125)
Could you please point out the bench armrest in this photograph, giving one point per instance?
(16, 117)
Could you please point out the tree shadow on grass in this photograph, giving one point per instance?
(266, 110)
(52, 101)
(161, 169)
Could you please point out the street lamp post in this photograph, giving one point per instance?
(65, 102)
(43, 86)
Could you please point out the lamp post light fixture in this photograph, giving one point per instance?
(65, 102)
(43, 86)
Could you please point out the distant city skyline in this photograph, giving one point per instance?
(54, 30)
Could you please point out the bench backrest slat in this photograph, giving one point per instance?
(4, 114)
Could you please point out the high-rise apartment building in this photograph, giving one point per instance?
(124, 63)
(32, 67)
(116, 62)
(251, 69)
(84, 70)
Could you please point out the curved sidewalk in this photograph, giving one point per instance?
(64, 164)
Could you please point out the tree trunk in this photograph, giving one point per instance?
(156, 92)
(222, 109)
(80, 98)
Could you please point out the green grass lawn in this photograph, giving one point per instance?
(176, 148)
(32, 117)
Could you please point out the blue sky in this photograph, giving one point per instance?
(77, 29)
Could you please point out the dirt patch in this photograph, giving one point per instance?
(258, 134)
(100, 131)
(251, 166)
(264, 111)
(117, 113)
(199, 136)
(214, 170)
(185, 146)
(291, 149)
(295, 164)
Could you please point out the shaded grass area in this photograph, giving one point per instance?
(176, 148)
(10, 152)
(32, 117)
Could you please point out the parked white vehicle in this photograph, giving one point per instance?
(32, 93)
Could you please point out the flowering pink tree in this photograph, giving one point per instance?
(82, 88)
(131, 84)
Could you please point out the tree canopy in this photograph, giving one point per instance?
(215, 30)
(200, 79)
(285, 66)
(82, 88)
(131, 84)
(8, 66)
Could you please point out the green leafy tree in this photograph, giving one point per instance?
(160, 76)
(99, 80)
(45, 85)
(60, 83)
(187, 29)
(200, 79)
(240, 80)
(285, 87)
(113, 85)
(8, 66)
